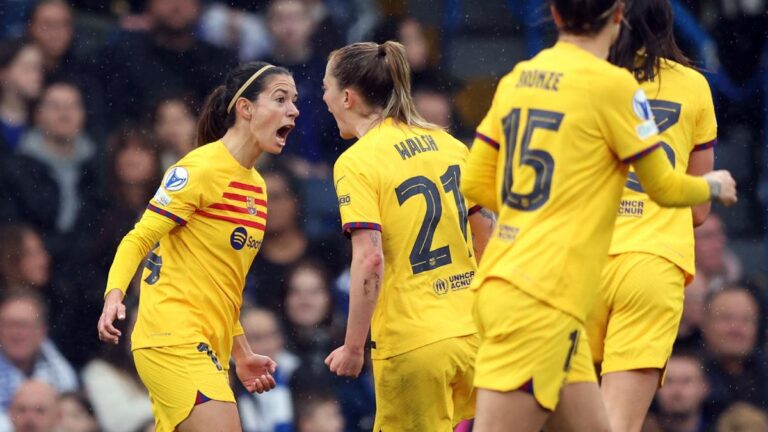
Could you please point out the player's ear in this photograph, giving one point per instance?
(349, 97)
(618, 14)
(245, 107)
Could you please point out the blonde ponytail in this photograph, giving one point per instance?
(382, 76)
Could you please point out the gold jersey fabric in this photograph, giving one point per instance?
(682, 105)
(564, 124)
(208, 218)
(404, 181)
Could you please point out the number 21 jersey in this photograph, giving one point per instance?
(404, 182)
(565, 125)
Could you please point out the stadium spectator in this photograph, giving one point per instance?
(25, 351)
(51, 27)
(174, 120)
(714, 259)
(313, 330)
(680, 400)
(742, 417)
(133, 176)
(34, 408)
(21, 80)
(421, 58)
(76, 414)
(286, 243)
(120, 401)
(689, 332)
(271, 411)
(314, 145)
(434, 105)
(52, 181)
(736, 367)
(318, 412)
(236, 29)
(24, 263)
(141, 67)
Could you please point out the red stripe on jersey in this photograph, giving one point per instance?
(487, 140)
(236, 209)
(642, 154)
(235, 221)
(243, 198)
(243, 186)
(705, 146)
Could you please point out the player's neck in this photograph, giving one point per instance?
(241, 146)
(599, 45)
(362, 124)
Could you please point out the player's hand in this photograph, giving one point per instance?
(345, 362)
(255, 372)
(723, 187)
(113, 309)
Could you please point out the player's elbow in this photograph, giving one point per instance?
(373, 261)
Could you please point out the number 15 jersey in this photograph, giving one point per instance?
(560, 131)
(404, 182)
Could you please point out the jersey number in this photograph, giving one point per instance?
(666, 114)
(539, 160)
(422, 257)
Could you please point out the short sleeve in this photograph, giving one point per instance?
(625, 116)
(705, 132)
(357, 194)
(489, 131)
(180, 193)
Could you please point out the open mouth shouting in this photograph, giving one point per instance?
(282, 133)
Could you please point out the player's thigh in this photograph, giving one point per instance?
(212, 416)
(580, 409)
(180, 378)
(414, 390)
(645, 313)
(526, 344)
(514, 411)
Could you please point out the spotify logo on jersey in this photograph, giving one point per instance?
(238, 238)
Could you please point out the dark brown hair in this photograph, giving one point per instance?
(126, 137)
(650, 29)
(12, 247)
(382, 76)
(214, 119)
(584, 17)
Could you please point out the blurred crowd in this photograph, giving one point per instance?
(98, 98)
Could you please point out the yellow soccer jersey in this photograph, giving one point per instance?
(405, 182)
(564, 124)
(192, 284)
(682, 105)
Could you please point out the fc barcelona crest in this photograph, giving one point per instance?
(250, 205)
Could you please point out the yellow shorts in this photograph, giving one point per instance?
(178, 378)
(526, 344)
(634, 322)
(427, 389)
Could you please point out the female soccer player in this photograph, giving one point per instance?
(412, 248)
(202, 230)
(633, 325)
(552, 156)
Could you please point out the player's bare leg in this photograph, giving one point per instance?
(580, 408)
(212, 416)
(515, 411)
(628, 395)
